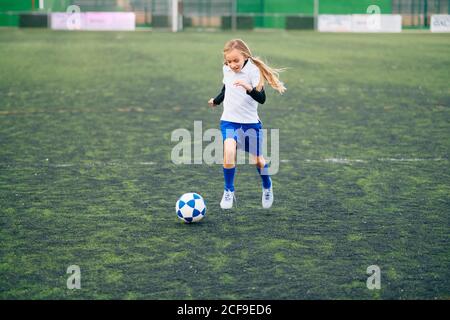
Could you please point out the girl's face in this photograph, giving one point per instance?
(235, 60)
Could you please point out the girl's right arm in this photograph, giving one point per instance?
(219, 99)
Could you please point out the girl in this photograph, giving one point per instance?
(243, 78)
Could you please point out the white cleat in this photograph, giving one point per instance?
(267, 198)
(227, 199)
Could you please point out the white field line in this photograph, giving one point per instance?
(151, 163)
(82, 163)
(62, 165)
(86, 110)
(349, 161)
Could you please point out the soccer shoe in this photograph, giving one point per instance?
(227, 199)
(267, 198)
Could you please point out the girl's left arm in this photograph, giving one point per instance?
(258, 96)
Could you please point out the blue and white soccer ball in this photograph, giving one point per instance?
(190, 207)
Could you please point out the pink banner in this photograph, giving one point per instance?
(94, 21)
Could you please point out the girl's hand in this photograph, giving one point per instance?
(211, 102)
(243, 84)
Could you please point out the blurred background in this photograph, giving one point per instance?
(223, 14)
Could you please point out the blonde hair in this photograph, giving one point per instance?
(271, 75)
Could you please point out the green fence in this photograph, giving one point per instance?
(278, 13)
(86, 5)
(10, 11)
(417, 13)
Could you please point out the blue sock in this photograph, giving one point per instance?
(264, 173)
(228, 175)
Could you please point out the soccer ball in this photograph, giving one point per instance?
(190, 207)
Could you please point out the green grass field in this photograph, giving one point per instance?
(86, 176)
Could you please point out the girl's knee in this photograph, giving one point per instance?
(229, 153)
(260, 162)
(228, 159)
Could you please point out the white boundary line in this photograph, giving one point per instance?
(151, 163)
(349, 161)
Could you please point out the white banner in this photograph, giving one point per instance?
(440, 23)
(335, 23)
(376, 23)
(94, 21)
(360, 23)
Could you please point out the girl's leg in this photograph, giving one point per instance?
(229, 163)
(267, 192)
(262, 168)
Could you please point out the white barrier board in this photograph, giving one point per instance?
(440, 23)
(94, 21)
(360, 23)
(335, 23)
(376, 23)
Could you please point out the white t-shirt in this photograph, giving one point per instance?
(238, 106)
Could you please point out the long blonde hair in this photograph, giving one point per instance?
(271, 75)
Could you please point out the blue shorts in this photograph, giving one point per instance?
(248, 136)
